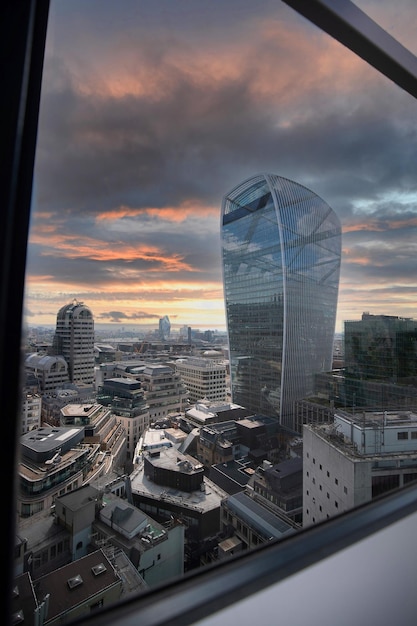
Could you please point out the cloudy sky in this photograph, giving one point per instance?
(153, 110)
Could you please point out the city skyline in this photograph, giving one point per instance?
(150, 113)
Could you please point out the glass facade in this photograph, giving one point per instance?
(381, 347)
(281, 250)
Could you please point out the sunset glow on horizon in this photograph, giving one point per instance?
(151, 112)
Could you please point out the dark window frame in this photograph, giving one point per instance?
(22, 45)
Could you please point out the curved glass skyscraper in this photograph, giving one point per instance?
(281, 250)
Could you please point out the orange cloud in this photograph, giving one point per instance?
(275, 58)
(72, 247)
(380, 225)
(177, 214)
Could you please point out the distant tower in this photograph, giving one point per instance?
(164, 328)
(74, 340)
(281, 249)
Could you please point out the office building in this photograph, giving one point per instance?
(126, 399)
(31, 411)
(68, 594)
(74, 340)
(381, 347)
(252, 523)
(281, 249)
(51, 372)
(164, 328)
(203, 377)
(167, 483)
(355, 459)
(165, 392)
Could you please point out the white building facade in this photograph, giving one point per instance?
(355, 459)
(74, 340)
(203, 378)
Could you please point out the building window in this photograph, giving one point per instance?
(402, 435)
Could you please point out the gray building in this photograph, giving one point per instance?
(74, 340)
(355, 459)
(203, 377)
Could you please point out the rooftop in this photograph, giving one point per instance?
(202, 501)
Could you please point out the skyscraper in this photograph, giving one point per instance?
(74, 340)
(281, 250)
(164, 328)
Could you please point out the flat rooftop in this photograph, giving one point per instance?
(202, 501)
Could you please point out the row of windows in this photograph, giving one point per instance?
(404, 434)
(336, 503)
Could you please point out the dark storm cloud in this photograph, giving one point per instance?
(199, 143)
(156, 108)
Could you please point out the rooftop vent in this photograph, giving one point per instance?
(75, 581)
(98, 569)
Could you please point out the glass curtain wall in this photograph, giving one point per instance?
(281, 250)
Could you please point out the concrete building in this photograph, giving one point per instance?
(67, 594)
(50, 371)
(206, 412)
(168, 484)
(280, 488)
(52, 462)
(31, 411)
(218, 443)
(74, 340)
(355, 459)
(104, 353)
(92, 518)
(126, 399)
(55, 460)
(203, 377)
(155, 550)
(165, 392)
(252, 523)
(101, 426)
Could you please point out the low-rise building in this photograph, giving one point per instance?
(252, 523)
(67, 594)
(355, 459)
(168, 484)
(51, 371)
(126, 398)
(31, 411)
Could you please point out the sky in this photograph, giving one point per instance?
(152, 111)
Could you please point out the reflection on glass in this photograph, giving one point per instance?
(281, 256)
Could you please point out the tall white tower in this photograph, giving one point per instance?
(74, 340)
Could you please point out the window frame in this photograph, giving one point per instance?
(22, 46)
